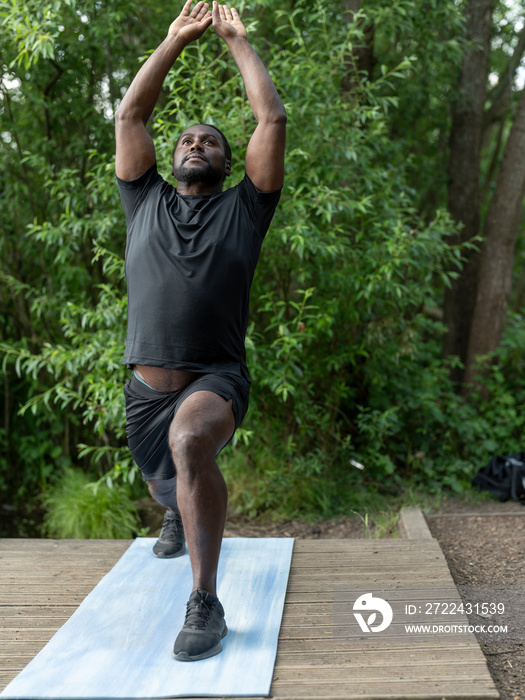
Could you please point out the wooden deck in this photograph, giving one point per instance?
(42, 582)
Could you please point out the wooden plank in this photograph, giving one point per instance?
(31, 623)
(55, 600)
(412, 525)
(33, 611)
(389, 658)
(319, 647)
(361, 674)
(365, 545)
(387, 690)
(14, 546)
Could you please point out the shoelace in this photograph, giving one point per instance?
(171, 526)
(198, 614)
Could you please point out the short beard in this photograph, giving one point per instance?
(205, 175)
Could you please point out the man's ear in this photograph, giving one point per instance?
(228, 168)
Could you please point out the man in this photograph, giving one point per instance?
(190, 258)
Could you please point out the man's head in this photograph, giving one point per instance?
(202, 155)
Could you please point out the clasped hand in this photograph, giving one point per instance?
(192, 23)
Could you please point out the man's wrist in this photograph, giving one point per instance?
(236, 40)
(175, 40)
(238, 45)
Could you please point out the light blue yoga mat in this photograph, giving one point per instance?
(118, 643)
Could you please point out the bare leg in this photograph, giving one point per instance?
(202, 426)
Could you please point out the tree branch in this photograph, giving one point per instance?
(47, 90)
(502, 93)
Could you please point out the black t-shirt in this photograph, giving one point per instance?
(190, 262)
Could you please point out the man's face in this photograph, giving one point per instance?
(199, 157)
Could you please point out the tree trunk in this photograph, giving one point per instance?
(464, 173)
(497, 255)
(363, 60)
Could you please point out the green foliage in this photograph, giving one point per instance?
(79, 509)
(344, 344)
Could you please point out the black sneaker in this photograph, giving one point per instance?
(171, 541)
(203, 628)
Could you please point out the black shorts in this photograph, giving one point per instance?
(149, 414)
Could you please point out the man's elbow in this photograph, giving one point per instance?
(127, 115)
(276, 117)
(120, 113)
(120, 118)
(280, 116)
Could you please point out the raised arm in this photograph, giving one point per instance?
(265, 153)
(135, 149)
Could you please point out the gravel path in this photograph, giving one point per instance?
(485, 549)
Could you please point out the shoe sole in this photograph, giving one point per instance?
(184, 656)
(170, 556)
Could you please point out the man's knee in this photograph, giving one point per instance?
(202, 426)
(191, 445)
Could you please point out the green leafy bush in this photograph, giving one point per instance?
(79, 509)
